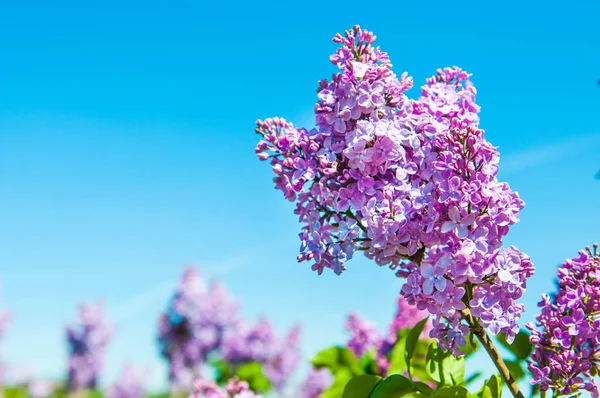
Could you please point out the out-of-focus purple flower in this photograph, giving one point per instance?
(193, 326)
(284, 359)
(249, 343)
(566, 336)
(87, 341)
(209, 389)
(407, 316)
(364, 335)
(317, 381)
(130, 384)
(258, 343)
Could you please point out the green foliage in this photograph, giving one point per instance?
(411, 342)
(443, 367)
(521, 347)
(368, 364)
(398, 353)
(336, 358)
(252, 373)
(369, 386)
(341, 378)
(360, 386)
(452, 392)
(492, 388)
(342, 364)
(223, 371)
(392, 387)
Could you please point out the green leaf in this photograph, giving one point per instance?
(492, 388)
(412, 339)
(398, 353)
(224, 371)
(368, 364)
(336, 390)
(515, 369)
(335, 358)
(360, 386)
(443, 367)
(521, 347)
(393, 386)
(252, 373)
(423, 388)
(452, 392)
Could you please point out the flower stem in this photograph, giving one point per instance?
(483, 337)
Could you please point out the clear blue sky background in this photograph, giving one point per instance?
(126, 152)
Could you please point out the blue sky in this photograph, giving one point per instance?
(126, 152)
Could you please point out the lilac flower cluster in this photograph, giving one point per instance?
(283, 359)
(258, 343)
(317, 381)
(566, 336)
(407, 316)
(87, 341)
(234, 389)
(400, 180)
(131, 384)
(193, 326)
(364, 335)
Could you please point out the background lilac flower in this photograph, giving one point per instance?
(234, 389)
(364, 335)
(317, 381)
(131, 384)
(193, 326)
(566, 336)
(283, 359)
(87, 340)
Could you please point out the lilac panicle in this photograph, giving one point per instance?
(131, 384)
(284, 359)
(249, 343)
(364, 335)
(87, 341)
(234, 389)
(258, 343)
(193, 326)
(405, 181)
(317, 381)
(566, 336)
(407, 316)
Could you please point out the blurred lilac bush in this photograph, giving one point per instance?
(87, 340)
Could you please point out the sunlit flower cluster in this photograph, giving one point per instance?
(566, 335)
(406, 182)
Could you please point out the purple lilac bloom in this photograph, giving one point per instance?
(87, 341)
(317, 381)
(364, 336)
(131, 384)
(284, 359)
(566, 336)
(412, 183)
(258, 343)
(249, 343)
(234, 389)
(193, 326)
